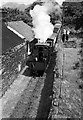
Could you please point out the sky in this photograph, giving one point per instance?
(24, 1)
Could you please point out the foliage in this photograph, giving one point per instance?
(73, 14)
(11, 14)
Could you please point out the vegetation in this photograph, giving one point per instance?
(10, 14)
(14, 14)
(73, 15)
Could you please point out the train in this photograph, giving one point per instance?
(41, 53)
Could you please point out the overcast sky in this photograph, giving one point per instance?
(24, 1)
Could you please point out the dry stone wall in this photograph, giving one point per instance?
(13, 62)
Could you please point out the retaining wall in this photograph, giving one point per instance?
(13, 61)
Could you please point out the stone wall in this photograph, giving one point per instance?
(13, 61)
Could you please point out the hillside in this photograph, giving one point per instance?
(15, 5)
(73, 0)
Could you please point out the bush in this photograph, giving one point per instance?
(73, 14)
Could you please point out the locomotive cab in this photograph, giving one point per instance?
(40, 58)
(41, 51)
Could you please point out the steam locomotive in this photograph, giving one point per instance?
(41, 53)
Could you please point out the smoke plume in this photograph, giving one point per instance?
(43, 28)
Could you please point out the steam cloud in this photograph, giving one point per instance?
(43, 28)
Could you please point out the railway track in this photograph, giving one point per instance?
(34, 99)
(28, 104)
(36, 92)
(23, 100)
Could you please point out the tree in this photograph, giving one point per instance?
(73, 14)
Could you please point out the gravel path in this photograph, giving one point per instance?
(67, 95)
(28, 104)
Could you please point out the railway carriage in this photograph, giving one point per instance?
(52, 40)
